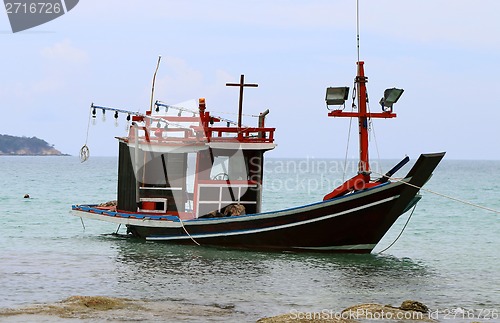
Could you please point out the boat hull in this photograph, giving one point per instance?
(325, 227)
(354, 223)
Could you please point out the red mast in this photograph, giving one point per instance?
(364, 164)
(362, 180)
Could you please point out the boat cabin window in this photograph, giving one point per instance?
(228, 177)
(229, 168)
(163, 181)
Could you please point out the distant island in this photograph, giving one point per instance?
(24, 146)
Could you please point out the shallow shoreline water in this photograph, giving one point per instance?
(99, 308)
(446, 258)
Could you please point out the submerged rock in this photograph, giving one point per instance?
(414, 306)
(386, 312)
(305, 317)
(75, 307)
(100, 303)
(114, 309)
(408, 311)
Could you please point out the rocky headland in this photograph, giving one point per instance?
(26, 146)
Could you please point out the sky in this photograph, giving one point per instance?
(443, 53)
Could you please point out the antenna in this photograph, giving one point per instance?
(153, 87)
(357, 25)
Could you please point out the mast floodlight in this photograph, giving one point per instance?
(336, 95)
(391, 96)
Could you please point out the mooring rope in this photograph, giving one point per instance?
(433, 192)
(443, 195)
(83, 224)
(401, 233)
(185, 230)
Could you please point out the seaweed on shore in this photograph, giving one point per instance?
(75, 307)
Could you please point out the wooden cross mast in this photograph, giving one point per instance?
(241, 85)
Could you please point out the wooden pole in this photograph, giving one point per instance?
(240, 105)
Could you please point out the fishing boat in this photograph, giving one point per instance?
(195, 178)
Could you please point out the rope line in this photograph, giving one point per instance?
(444, 195)
(83, 224)
(85, 151)
(372, 130)
(181, 109)
(88, 127)
(163, 104)
(353, 107)
(400, 233)
(182, 224)
(234, 113)
(347, 149)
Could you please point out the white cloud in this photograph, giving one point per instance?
(176, 80)
(462, 22)
(287, 46)
(64, 51)
(61, 62)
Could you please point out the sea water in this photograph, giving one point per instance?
(448, 256)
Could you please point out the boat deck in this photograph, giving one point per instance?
(112, 213)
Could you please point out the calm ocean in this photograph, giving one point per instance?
(448, 256)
